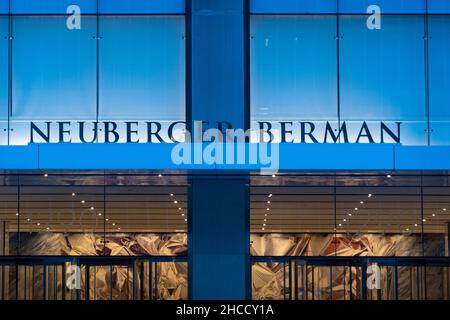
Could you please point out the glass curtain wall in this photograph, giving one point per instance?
(314, 224)
(89, 219)
(113, 68)
(307, 70)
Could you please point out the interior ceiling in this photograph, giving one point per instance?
(79, 204)
(298, 203)
(387, 210)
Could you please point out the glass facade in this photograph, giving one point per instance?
(94, 215)
(319, 68)
(91, 184)
(127, 68)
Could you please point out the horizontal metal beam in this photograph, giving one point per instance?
(348, 6)
(291, 157)
(90, 6)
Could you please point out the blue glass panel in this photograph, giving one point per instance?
(3, 80)
(439, 71)
(51, 6)
(3, 68)
(4, 6)
(142, 6)
(345, 6)
(382, 73)
(439, 6)
(53, 69)
(292, 6)
(142, 67)
(293, 68)
(386, 6)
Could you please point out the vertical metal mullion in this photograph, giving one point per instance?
(426, 38)
(141, 278)
(156, 280)
(331, 282)
(284, 280)
(110, 282)
(313, 284)
(150, 280)
(133, 281)
(296, 280)
(44, 283)
(306, 281)
(290, 279)
(63, 281)
(350, 287)
(363, 279)
(87, 281)
(396, 281)
(97, 39)
(10, 47)
(338, 64)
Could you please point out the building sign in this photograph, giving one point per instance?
(175, 131)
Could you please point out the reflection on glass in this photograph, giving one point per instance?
(439, 70)
(382, 73)
(142, 68)
(53, 69)
(293, 68)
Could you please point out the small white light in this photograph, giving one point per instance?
(273, 176)
(356, 209)
(47, 228)
(369, 195)
(175, 202)
(407, 229)
(179, 208)
(270, 195)
(92, 208)
(444, 209)
(433, 215)
(17, 214)
(416, 225)
(263, 229)
(106, 219)
(182, 214)
(264, 224)
(424, 220)
(389, 176)
(99, 213)
(349, 214)
(345, 220)
(160, 175)
(265, 220)
(362, 202)
(265, 215)
(340, 224)
(118, 228)
(171, 194)
(113, 224)
(268, 202)
(38, 223)
(28, 219)
(82, 201)
(45, 175)
(185, 220)
(73, 194)
(267, 209)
